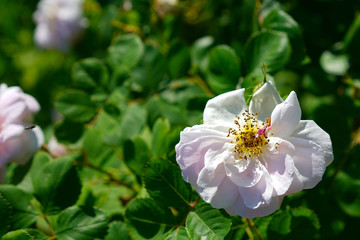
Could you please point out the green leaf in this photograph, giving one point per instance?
(57, 185)
(136, 155)
(348, 194)
(351, 41)
(25, 234)
(24, 207)
(179, 59)
(207, 221)
(179, 234)
(299, 223)
(117, 230)
(150, 71)
(267, 47)
(75, 105)
(160, 130)
(68, 131)
(164, 183)
(5, 212)
(223, 70)
(81, 223)
(199, 53)
(126, 50)
(90, 73)
(148, 220)
(334, 64)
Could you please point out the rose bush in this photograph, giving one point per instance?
(246, 160)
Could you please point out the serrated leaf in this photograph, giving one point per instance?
(223, 70)
(24, 207)
(5, 212)
(164, 183)
(148, 220)
(126, 50)
(25, 234)
(179, 234)
(57, 185)
(81, 223)
(267, 47)
(75, 105)
(90, 73)
(117, 230)
(207, 221)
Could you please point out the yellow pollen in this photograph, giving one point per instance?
(249, 136)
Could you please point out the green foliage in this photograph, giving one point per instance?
(139, 75)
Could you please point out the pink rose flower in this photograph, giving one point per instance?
(17, 142)
(59, 23)
(246, 160)
(55, 148)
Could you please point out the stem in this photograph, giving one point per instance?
(254, 229)
(192, 206)
(53, 235)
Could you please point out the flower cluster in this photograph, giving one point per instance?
(59, 23)
(246, 159)
(18, 141)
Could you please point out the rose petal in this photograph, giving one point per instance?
(245, 174)
(221, 110)
(259, 194)
(308, 129)
(309, 159)
(296, 184)
(264, 101)
(11, 131)
(286, 116)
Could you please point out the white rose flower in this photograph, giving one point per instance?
(59, 23)
(17, 142)
(246, 160)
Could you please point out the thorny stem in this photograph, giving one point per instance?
(192, 206)
(253, 228)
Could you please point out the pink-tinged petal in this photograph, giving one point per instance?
(12, 113)
(308, 129)
(281, 170)
(31, 103)
(286, 116)
(222, 109)
(278, 145)
(309, 159)
(259, 194)
(296, 185)
(11, 131)
(221, 196)
(239, 208)
(245, 173)
(264, 101)
(194, 143)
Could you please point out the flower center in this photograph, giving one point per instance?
(249, 136)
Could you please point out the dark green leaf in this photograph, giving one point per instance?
(68, 131)
(81, 224)
(57, 185)
(207, 221)
(25, 234)
(148, 220)
(199, 53)
(126, 50)
(117, 231)
(136, 155)
(164, 183)
(267, 47)
(223, 69)
(179, 60)
(5, 212)
(24, 207)
(348, 194)
(76, 106)
(90, 73)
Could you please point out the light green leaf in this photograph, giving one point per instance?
(334, 64)
(75, 105)
(207, 221)
(81, 224)
(25, 234)
(267, 47)
(179, 234)
(199, 53)
(90, 73)
(117, 231)
(126, 50)
(57, 185)
(160, 131)
(164, 183)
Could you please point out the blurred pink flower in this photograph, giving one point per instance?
(59, 23)
(55, 148)
(246, 160)
(17, 143)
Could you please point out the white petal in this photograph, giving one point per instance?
(286, 116)
(309, 159)
(194, 143)
(246, 173)
(221, 196)
(297, 185)
(259, 194)
(222, 109)
(11, 131)
(281, 169)
(239, 208)
(308, 129)
(264, 101)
